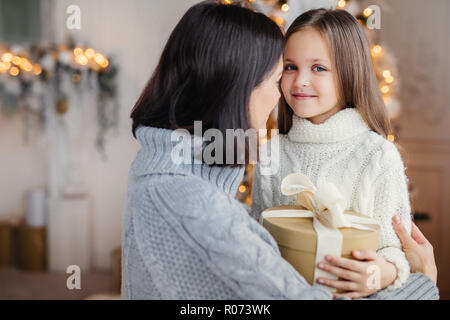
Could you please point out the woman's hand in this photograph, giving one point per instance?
(357, 277)
(417, 248)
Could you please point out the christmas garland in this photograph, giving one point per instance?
(26, 75)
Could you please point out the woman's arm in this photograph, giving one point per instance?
(418, 249)
(231, 244)
(391, 197)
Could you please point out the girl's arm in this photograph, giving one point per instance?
(383, 192)
(391, 197)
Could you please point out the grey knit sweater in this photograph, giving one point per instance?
(185, 236)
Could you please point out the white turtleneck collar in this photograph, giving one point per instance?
(343, 125)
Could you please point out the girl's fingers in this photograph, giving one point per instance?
(341, 273)
(346, 263)
(343, 285)
(364, 254)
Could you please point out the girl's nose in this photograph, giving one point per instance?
(302, 81)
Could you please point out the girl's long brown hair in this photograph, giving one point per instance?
(350, 55)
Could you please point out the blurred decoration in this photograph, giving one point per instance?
(384, 62)
(284, 12)
(27, 75)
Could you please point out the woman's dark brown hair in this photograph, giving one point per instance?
(214, 58)
(350, 54)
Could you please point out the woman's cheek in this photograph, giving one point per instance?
(276, 96)
(285, 86)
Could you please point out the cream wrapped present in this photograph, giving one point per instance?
(317, 225)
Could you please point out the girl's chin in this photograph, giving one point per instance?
(305, 113)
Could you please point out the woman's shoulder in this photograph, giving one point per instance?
(184, 195)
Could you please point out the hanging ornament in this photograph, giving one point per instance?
(62, 106)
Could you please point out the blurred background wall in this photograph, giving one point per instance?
(134, 34)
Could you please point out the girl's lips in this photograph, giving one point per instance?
(302, 96)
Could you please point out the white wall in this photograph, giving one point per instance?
(134, 32)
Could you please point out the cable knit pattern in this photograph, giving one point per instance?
(185, 236)
(366, 168)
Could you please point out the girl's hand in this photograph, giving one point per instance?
(357, 277)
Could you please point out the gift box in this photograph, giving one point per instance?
(316, 225)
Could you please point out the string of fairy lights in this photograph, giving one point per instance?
(26, 71)
(13, 64)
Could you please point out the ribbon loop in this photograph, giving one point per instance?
(326, 202)
(326, 205)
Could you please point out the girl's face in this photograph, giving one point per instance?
(308, 81)
(264, 98)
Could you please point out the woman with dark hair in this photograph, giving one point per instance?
(185, 235)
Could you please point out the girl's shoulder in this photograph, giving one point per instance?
(381, 154)
(383, 147)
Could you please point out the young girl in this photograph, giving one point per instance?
(333, 127)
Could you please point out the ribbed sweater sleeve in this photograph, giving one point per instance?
(391, 197)
(261, 193)
(232, 245)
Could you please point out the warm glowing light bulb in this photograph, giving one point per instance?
(376, 50)
(341, 4)
(28, 66)
(278, 20)
(99, 58)
(385, 89)
(104, 64)
(391, 138)
(14, 71)
(89, 53)
(227, 1)
(16, 60)
(37, 69)
(386, 73)
(77, 51)
(242, 188)
(7, 57)
(367, 12)
(389, 79)
(81, 59)
(285, 7)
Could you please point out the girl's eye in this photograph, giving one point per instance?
(289, 67)
(319, 69)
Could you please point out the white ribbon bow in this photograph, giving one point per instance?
(326, 206)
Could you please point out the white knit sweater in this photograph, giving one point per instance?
(366, 167)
